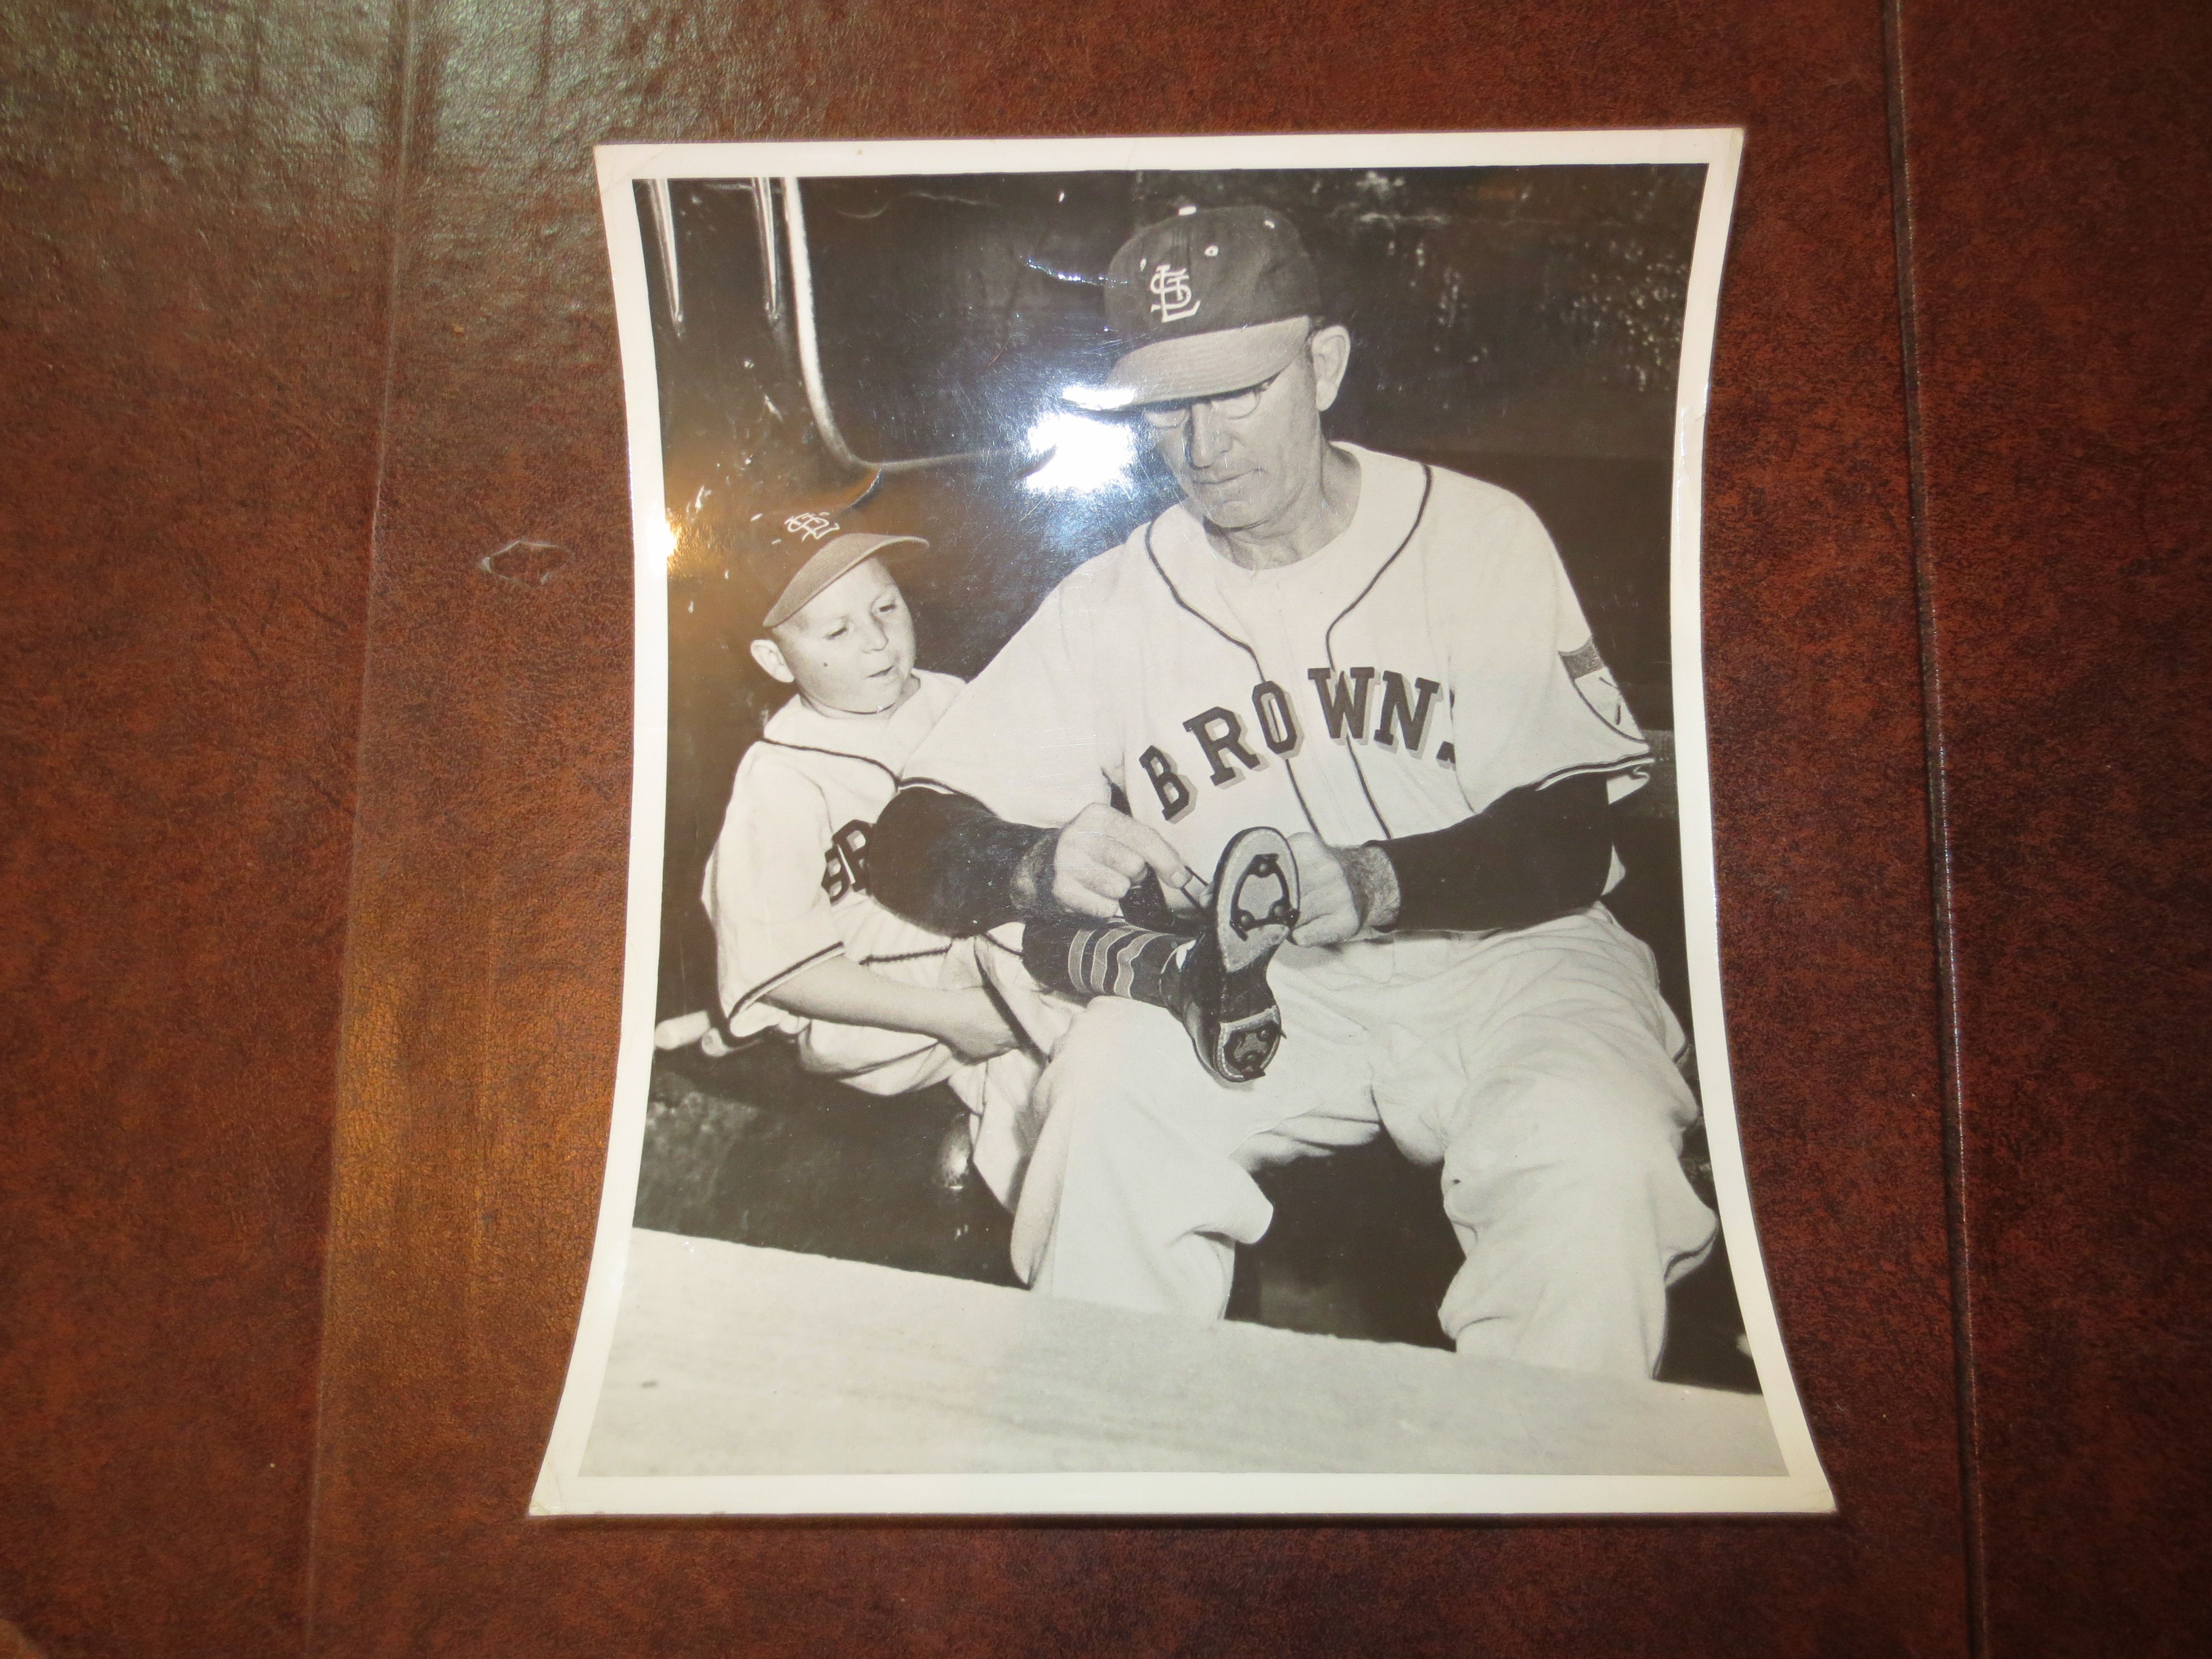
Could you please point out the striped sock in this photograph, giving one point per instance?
(1107, 958)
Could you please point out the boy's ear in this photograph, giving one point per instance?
(769, 655)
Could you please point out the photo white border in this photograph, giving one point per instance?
(562, 1489)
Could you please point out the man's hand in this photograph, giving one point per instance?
(1095, 859)
(1343, 892)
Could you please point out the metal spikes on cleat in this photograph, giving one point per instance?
(1227, 1007)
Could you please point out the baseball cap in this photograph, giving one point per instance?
(810, 551)
(1212, 299)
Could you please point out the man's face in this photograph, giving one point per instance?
(1251, 470)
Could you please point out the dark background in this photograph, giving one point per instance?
(312, 881)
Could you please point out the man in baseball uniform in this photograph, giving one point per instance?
(1384, 662)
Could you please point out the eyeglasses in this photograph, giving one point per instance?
(1229, 405)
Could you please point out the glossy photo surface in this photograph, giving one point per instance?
(847, 1267)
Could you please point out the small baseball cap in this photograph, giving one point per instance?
(1212, 300)
(816, 551)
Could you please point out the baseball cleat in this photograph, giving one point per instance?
(1227, 1007)
(955, 1155)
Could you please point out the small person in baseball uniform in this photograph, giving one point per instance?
(801, 947)
(1359, 692)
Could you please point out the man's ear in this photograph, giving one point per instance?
(769, 655)
(1332, 352)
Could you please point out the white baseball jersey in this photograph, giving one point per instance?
(787, 885)
(1430, 659)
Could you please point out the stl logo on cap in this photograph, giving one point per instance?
(1170, 287)
(809, 526)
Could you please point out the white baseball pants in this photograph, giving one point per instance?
(999, 1093)
(1535, 1068)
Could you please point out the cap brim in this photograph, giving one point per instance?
(835, 558)
(1197, 365)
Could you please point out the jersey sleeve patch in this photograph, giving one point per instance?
(1595, 684)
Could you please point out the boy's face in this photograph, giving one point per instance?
(850, 648)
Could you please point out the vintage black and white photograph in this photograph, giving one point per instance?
(1172, 960)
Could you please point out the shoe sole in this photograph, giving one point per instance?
(1255, 898)
(1254, 907)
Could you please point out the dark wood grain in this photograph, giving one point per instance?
(486, 933)
(2064, 353)
(192, 342)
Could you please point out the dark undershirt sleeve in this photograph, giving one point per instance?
(1529, 856)
(945, 861)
